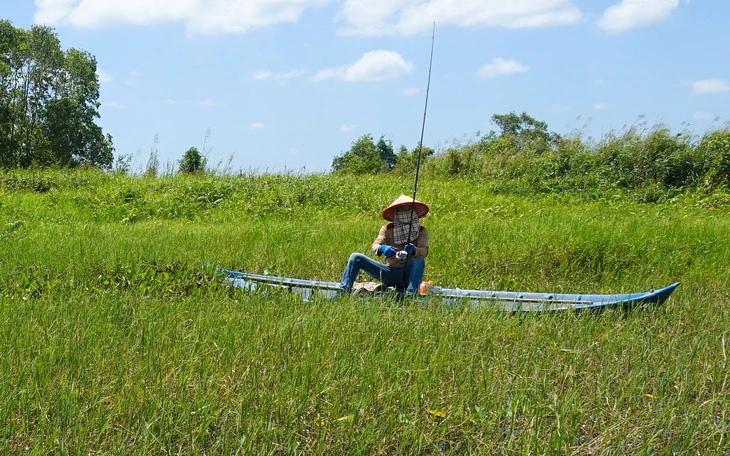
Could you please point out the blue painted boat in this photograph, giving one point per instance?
(508, 301)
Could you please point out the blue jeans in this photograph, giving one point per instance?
(411, 275)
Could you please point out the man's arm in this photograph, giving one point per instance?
(380, 240)
(422, 243)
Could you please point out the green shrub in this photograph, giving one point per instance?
(192, 161)
(715, 147)
(656, 160)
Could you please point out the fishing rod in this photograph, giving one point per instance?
(423, 130)
(420, 143)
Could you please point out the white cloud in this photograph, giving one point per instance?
(256, 126)
(382, 17)
(239, 16)
(348, 127)
(368, 17)
(599, 82)
(261, 75)
(411, 91)
(708, 86)
(601, 106)
(104, 13)
(112, 105)
(706, 116)
(131, 81)
(360, 17)
(372, 67)
(199, 16)
(52, 11)
(104, 77)
(170, 101)
(295, 73)
(209, 102)
(502, 67)
(561, 107)
(631, 14)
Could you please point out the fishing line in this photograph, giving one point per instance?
(423, 129)
(420, 151)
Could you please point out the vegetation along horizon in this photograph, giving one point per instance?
(119, 336)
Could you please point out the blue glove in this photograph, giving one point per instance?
(410, 249)
(387, 250)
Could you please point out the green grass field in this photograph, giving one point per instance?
(118, 337)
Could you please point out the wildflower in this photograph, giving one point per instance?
(436, 413)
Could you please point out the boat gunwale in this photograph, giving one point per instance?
(591, 301)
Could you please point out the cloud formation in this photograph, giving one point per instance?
(374, 66)
(348, 127)
(200, 16)
(631, 14)
(263, 75)
(295, 73)
(407, 17)
(358, 17)
(502, 67)
(112, 105)
(104, 77)
(708, 86)
(209, 103)
(256, 126)
(698, 115)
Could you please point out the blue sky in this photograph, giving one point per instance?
(289, 84)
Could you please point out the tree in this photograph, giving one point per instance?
(385, 152)
(364, 157)
(525, 130)
(79, 93)
(39, 76)
(192, 161)
(48, 102)
(407, 160)
(9, 44)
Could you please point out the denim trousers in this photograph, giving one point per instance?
(411, 275)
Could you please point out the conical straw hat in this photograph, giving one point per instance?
(421, 209)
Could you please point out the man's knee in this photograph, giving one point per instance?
(356, 257)
(418, 261)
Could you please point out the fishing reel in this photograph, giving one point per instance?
(402, 255)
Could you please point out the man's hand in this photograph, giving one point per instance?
(410, 249)
(387, 250)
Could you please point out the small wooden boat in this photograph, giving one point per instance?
(508, 301)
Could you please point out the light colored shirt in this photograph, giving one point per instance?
(385, 237)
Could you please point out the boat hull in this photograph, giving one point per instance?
(502, 300)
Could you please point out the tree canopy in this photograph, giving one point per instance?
(48, 102)
(524, 129)
(366, 157)
(192, 161)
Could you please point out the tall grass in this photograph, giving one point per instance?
(652, 164)
(119, 337)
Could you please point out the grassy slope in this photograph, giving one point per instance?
(118, 339)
